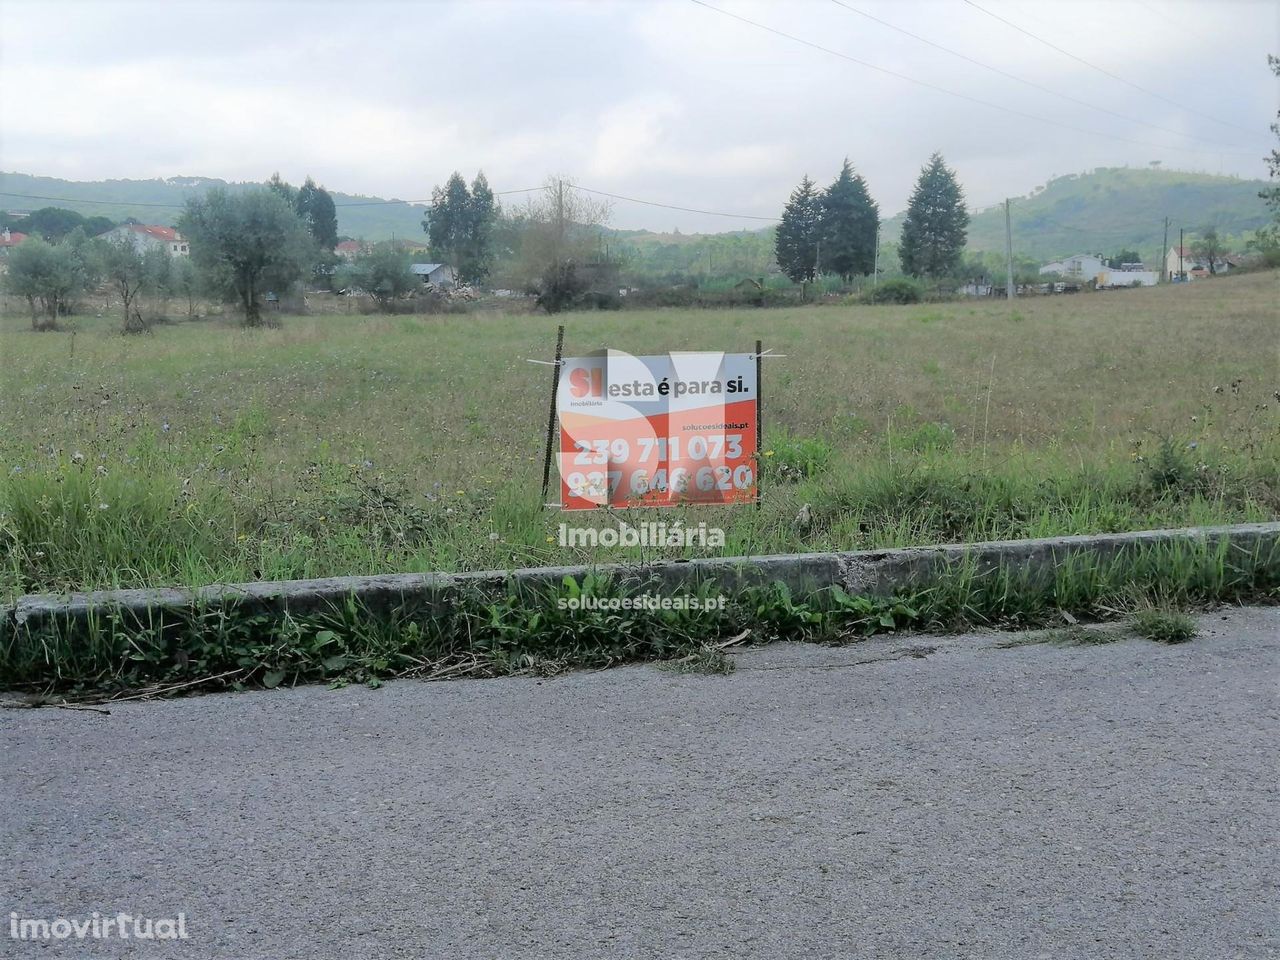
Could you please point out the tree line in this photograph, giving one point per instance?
(836, 230)
(277, 237)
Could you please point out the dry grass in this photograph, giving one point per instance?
(269, 433)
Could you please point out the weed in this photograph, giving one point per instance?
(789, 459)
(707, 659)
(535, 630)
(1164, 625)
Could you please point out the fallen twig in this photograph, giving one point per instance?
(160, 691)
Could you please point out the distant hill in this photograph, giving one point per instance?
(161, 201)
(1105, 210)
(1117, 208)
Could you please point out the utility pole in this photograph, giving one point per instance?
(559, 232)
(1181, 241)
(1164, 252)
(1008, 251)
(875, 269)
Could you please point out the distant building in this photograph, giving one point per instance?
(1108, 279)
(348, 249)
(146, 237)
(1083, 266)
(10, 239)
(1182, 260)
(436, 274)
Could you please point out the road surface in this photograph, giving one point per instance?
(909, 797)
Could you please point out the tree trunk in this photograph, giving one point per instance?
(252, 312)
(249, 300)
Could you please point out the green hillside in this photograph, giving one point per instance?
(1105, 211)
(1110, 209)
(161, 201)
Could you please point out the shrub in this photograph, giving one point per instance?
(561, 288)
(897, 290)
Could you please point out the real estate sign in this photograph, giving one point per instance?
(657, 431)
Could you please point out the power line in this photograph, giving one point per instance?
(671, 206)
(370, 203)
(1106, 72)
(179, 206)
(376, 203)
(1023, 80)
(933, 86)
(114, 203)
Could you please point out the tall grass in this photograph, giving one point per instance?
(470, 633)
(349, 445)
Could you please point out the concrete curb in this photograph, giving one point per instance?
(866, 572)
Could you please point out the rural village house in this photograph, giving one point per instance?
(10, 239)
(147, 237)
(1181, 259)
(348, 249)
(1083, 266)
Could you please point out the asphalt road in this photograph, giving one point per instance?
(907, 798)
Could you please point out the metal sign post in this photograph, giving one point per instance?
(551, 413)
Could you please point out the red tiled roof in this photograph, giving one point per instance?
(348, 246)
(167, 234)
(13, 239)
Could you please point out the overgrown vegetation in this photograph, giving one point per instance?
(896, 290)
(386, 443)
(527, 629)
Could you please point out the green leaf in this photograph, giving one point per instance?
(335, 663)
(272, 679)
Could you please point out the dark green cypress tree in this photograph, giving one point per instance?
(799, 232)
(933, 232)
(850, 219)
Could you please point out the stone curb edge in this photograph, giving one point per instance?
(865, 572)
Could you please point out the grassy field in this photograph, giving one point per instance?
(349, 444)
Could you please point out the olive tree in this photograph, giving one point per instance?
(383, 271)
(48, 276)
(126, 270)
(246, 244)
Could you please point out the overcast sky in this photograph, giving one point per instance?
(666, 101)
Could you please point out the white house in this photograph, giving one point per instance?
(146, 237)
(1181, 259)
(436, 274)
(1083, 266)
